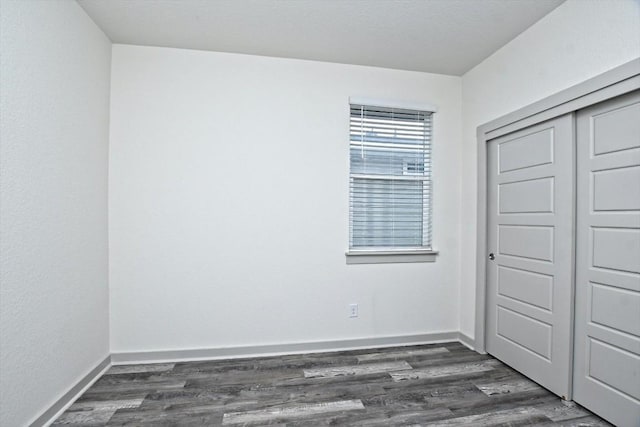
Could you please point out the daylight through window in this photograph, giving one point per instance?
(390, 178)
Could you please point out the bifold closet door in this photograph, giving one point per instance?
(607, 325)
(530, 240)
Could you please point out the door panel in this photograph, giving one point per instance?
(532, 149)
(608, 195)
(524, 331)
(539, 196)
(526, 241)
(530, 216)
(532, 288)
(607, 327)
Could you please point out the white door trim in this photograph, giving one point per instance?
(620, 80)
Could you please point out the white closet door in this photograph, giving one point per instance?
(530, 238)
(607, 329)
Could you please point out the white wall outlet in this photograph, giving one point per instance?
(353, 310)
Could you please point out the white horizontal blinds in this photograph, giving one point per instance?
(390, 179)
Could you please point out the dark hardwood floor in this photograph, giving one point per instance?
(439, 385)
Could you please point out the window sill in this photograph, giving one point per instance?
(371, 256)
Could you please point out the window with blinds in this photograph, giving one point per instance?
(390, 178)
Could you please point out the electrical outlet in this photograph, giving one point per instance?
(353, 310)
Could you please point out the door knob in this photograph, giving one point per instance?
(492, 256)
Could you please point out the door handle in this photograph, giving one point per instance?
(492, 256)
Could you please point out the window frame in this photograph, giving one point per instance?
(377, 255)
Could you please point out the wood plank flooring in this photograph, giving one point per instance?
(431, 385)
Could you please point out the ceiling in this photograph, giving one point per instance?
(437, 36)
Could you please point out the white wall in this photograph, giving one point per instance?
(54, 84)
(578, 40)
(229, 203)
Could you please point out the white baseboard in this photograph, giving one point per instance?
(280, 349)
(48, 416)
(467, 341)
(67, 399)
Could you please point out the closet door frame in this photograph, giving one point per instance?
(615, 82)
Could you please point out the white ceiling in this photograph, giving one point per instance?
(437, 36)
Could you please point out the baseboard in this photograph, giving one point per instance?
(467, 341)
(61, 405)
(281, 349)
(49, 415)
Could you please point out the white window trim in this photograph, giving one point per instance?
(386, 256)
(389, 255)
(393, 103)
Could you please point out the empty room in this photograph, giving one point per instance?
(319, 212)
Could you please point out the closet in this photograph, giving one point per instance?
(563, 254)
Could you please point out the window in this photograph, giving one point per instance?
(390, 179)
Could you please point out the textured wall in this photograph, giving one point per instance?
(54, 81)
(229, 198)
(578, 40)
